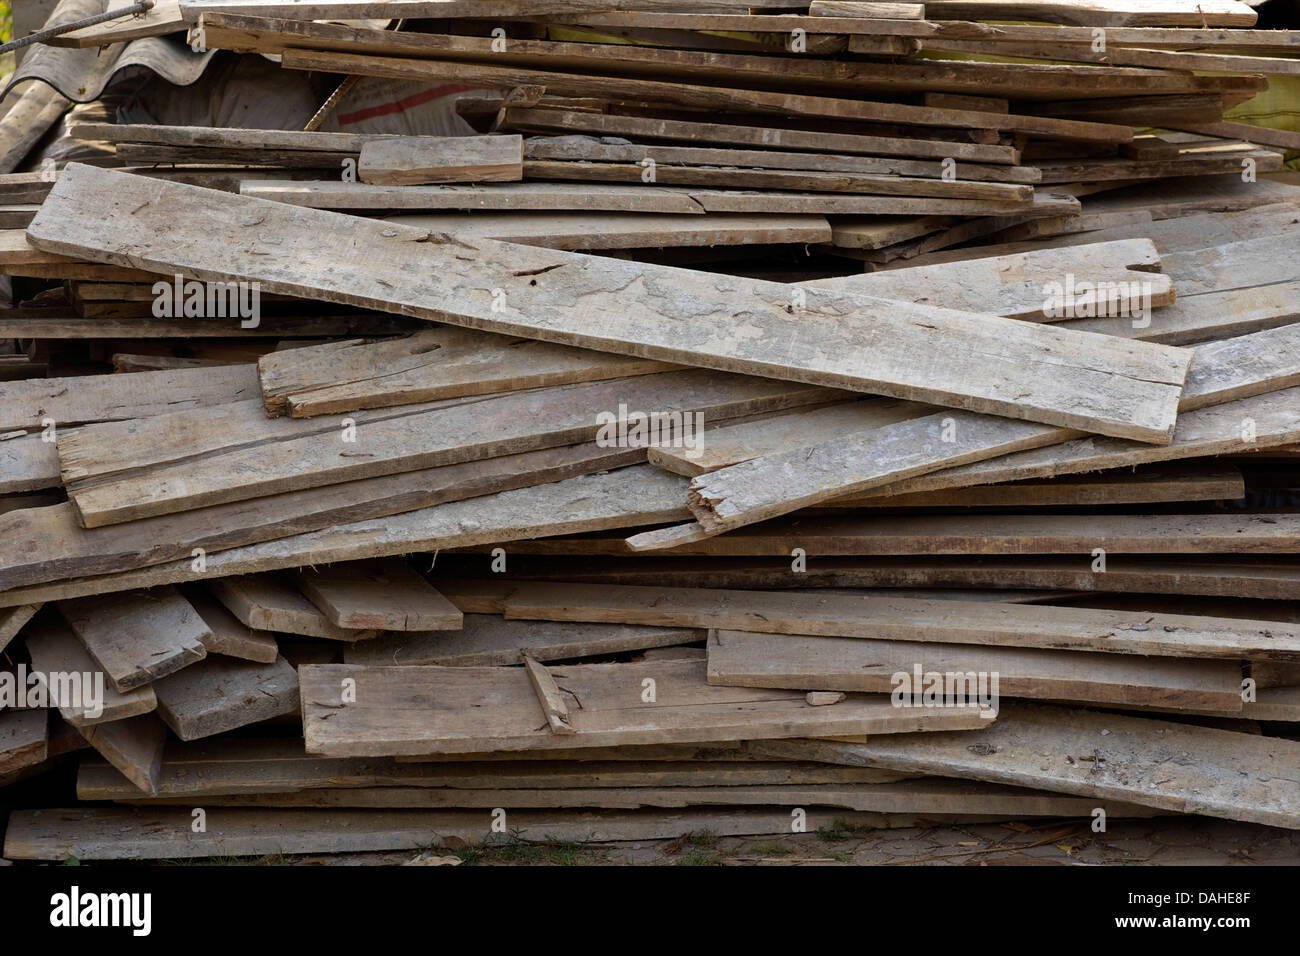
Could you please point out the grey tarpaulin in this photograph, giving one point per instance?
(81, 75)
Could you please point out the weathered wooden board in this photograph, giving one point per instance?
(12, 620)
(229, 636)
(1276, 578)
(1233, 533)
(221, 693)
(23, 738)
(138, 637)
(414, 160)
(1156, 763)
(596, 197)
(267, 602)
(1119, 13)
(903, 619)
(1117, 397)
(1008, 196)
(640, 495)
(55, 649)
(96, 398)
(312, 455)
(438, 363)
(134, 746)
(767, 137)
(387, 595)
(579, 231)
(165, 17)
(490, 640)
(251, 766)
(165, 833)
(749, 659)
(591, 148)
(63, 548)
(28, 463)
(420, 710)
(702, 97)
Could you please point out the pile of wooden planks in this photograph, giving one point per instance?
(882, 414)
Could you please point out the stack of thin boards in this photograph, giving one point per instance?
(762, 418)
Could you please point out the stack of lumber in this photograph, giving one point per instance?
(635, 465)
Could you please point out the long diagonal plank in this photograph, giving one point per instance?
(798, 662)
(906, 619)
(62, 548)
(1019, 369)
(795, 473)
(425, 709)
(313, 455)
(1156, 763)
(438, 363)
(639, 495)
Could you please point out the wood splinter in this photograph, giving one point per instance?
(548, 695)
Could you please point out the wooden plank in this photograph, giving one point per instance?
(413, 160)
(142, 327)
(1151, 393)
(1264, 532)
(639, 495)
(1119, 13)
(671, 56)
(134, 746)
(386, 595)
(507, 424)
(872, 10)
(138, 637)
(23, 738)
(221, 693)
(1271, 579)
(590, 148)
(97, 398)
(254, 766)
(165, 833)
(54, 649)
(549, 696)
(774, 137)
(267, 603)
(878, 184)
(904, 619)
(855, 462)
(221, 137)
(596, 197)
(747, 659)
(12, 620)
(426, 366)
(1178, 481)
(443, 712)
(702, 97)
(62, 547)
(490, 640)
(228, 636)
(639, 230)
(165, 17)
(1216, 773)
